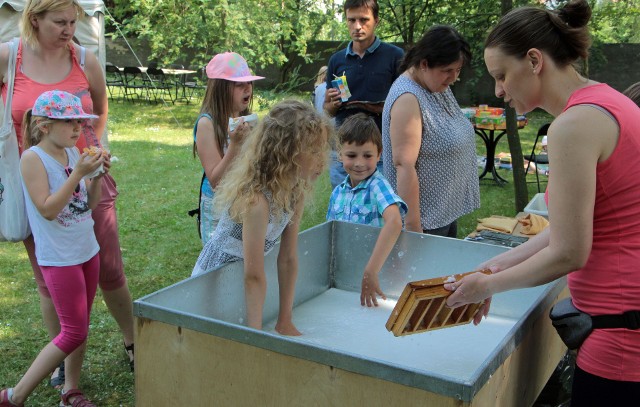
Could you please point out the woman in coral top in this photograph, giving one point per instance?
(49, 60)
(594, 194)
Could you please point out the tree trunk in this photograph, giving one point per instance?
(515, 148)
(517, 161)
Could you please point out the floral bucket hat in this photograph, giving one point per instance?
(59, 105)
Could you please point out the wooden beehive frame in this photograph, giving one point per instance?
(422, 307)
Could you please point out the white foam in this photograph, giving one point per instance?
(336, 320)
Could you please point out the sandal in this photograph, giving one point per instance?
(79, 400)
(57, 382)
(5, 401)
(130, 354)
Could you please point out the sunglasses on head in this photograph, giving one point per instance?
(68, 170)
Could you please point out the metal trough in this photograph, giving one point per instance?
(193, 349)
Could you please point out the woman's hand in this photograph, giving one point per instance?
(483, 311)
(471, 289)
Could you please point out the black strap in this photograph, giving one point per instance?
(629, 320)
(196, 211)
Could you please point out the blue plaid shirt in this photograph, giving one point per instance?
(365, 203)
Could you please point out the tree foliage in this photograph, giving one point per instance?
(275, 32)
(266, 32)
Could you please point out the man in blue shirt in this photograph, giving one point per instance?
(370, 67)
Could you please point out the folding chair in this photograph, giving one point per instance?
(114, 79)
(161, 87)
(537, 159)
(134, 84)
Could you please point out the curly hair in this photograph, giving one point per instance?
(271, 158)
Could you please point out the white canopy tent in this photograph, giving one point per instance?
(89, 31)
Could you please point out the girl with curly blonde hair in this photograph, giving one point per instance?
(261, 199)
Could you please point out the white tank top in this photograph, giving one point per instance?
(68, 239)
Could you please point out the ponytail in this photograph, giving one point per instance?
(563, 33)
(32, 129)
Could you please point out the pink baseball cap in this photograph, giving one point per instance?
(230, 66)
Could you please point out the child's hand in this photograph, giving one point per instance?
(240, 132)
(370, 288)
(107, 161)
(89, 163)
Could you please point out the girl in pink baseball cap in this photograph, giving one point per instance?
(224, 120)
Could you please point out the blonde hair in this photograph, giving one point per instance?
(321, 76)
(217, 103)
(32, 126)
(38, 8)
(271, 159)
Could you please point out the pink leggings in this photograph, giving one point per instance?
(72, 290)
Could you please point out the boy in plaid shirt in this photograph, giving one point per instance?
(366, 197)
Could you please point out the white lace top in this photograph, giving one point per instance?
(225, 245)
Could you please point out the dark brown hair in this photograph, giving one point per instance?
(360, 128)
(562, 33)
(370, 4)
(217, 103)
(441, 45)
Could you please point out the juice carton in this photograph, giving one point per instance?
(346, 85)
(339, 84)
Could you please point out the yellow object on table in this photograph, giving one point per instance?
(533, 224)
(497, 223)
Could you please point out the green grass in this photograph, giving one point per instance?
(158, 182)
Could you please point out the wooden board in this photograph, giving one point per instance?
(422, 307)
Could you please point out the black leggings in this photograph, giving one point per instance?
(450, 230)
(593, 391)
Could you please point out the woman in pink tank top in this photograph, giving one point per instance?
(49, 60)
(594, 195)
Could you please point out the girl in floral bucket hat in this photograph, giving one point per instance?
(59, 197)
(225, 119)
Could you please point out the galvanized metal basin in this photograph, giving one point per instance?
(453, 363)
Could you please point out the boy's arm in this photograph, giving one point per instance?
(288, 273)
(386, 240)
(254, 230)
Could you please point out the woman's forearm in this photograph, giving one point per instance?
(408, 189)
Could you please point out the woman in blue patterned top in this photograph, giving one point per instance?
(366, 197)
(429, 145)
